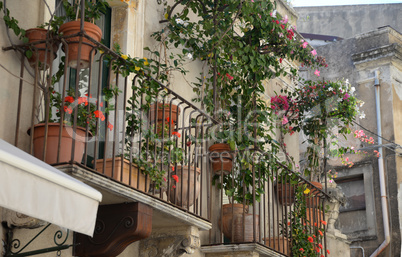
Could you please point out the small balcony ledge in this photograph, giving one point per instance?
(114, 192)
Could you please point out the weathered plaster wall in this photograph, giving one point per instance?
(360, 72)
(11, 60)
(348, 21)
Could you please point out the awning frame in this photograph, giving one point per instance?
(18, 252)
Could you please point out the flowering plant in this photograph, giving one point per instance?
(306, 235)
(87, 108)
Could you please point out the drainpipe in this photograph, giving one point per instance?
(384, 204)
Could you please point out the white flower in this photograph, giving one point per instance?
(179, 21)
(330, 89)
(185, 24)
(189, 56)
(362, 115)
(273, 14)
(352, 90)
(361, 103)
(347, 81)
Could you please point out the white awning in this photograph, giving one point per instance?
(34, 188)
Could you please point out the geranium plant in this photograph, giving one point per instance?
(86, 107)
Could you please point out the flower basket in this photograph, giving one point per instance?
(233, 214)
(42, 50)
(180, 195)
(73, 27)
(136, 179)
(221, 159)
(52, 143)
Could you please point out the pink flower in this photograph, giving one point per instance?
(346, 96)
(305, 44)
(285, 19)
(317, 73)
(284, 120)
(314, 52)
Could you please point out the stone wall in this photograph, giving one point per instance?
(356, 59)
(349, 20)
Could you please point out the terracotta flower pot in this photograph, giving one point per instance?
(234, 222)
(280, 244)
(160, 110)
(285, 193)
(314, 215)
(73, 27)
(180, 196)
(124, 175)
(312, 198)
(53, 140)
(221, 158)
(42, 50)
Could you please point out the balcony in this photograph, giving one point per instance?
(108, 131)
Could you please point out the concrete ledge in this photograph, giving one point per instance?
(118, 193)
(249, 249)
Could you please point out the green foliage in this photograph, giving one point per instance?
(93, 10)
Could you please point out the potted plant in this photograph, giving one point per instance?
(221, 153)
(37, 52)
(237, 223)
(63, 111)
(92, 12)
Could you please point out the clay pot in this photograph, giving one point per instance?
(43, 50)
(280, 244)
(238, 225)
(314, 215)
(160, 110)
(311, 199)
(142, 183)
(73, 27)
(178, 195)
(285, 193)
(220, 155)
(53, 140)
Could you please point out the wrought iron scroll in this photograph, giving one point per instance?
(14, 248)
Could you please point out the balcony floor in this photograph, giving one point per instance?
(113, 192)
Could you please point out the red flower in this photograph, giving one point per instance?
(288, 223)
(110, 126)
(229, 77)
(68, 110)
(317, 249)
(321, 234)
(176, 178)
(101, 104)
(188, 143)
(328, 252)
(69, 99)
(99, 114)
(320, 245)
(172, 168)
(175, 133)
(83, 100)
(282, 26)
(310, 239)
(301, 250)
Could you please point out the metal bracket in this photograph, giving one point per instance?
(14, 248)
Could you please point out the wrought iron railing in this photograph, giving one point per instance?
(152, 143)
(276, 211)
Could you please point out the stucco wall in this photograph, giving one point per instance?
(350, 20)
